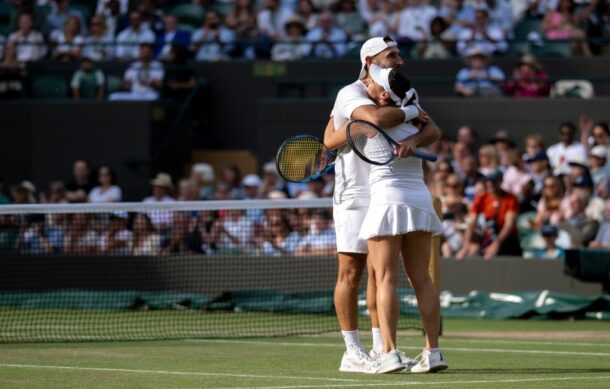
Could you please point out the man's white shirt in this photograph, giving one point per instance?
(559, 155)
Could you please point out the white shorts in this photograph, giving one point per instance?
(348, 216)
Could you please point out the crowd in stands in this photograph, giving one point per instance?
(497, 199)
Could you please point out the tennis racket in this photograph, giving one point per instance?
(374, 146)
(303, 158)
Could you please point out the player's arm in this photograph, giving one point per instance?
(334, 139)
(429, 134)
(384, 117)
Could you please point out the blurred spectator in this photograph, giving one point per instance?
(213, 41)
(534, 144)
(184, 238)
(161, 189)
(60, 14)
(117, 239)
(499, 210)
(80, 237)
(143, 79)
(537, 9)
(202, 174)
(204, 223)
(458, 16)
(172, 36)
(563, 23)
(271, 181)
(567, 149)
(600, 169)
(68, 41)
(272, 18)
(504, 145)
(467, 136)
(28, 42)
(9, 234)
(327, 40)
(379, 15)
(349, 20)
(436, 44)
(187, 190)
(242, 19)
(56, 194)
(112, 16)
(81, 183)
(454, 224)
(107, 191)
(595, 206)
(131, 40)
(582, 229)
(99, 44)
(472, 176)
(320, 239)
(549, 210)
(251, 184)
(40, 238)
(439, 177)
(88, 82)
(598, 27)
(292, 46)
(500, 15)
(453, 192)
(152, 18)
(515, 176)
(37, 15)
(13, 74)
(145, 240)
(485, 37)
(24, 193)
(488, 160)
(4, 199)
(528, 201)
(479, 78)
(231, 176)
(594, 134)
(307, 13)
(233, 233)
(602, 238)
(278, 238)
(412, 24)
(102, 6)
(179, 79)
(550, 251)
(539, 169)
(529, 80)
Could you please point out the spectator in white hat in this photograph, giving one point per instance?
(251, 184)
(202, 174)
(271, 181)
(600, 169)
(161, 189)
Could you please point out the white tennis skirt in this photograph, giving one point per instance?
(398, 219)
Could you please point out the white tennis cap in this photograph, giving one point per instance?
(371, 48)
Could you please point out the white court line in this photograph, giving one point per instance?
(167, 372)
(464, 349)
(499, 341)
(407, 383)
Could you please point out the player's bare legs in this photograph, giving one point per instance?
(416, 259)
(383, 252)
(371, 296)
(351, 266)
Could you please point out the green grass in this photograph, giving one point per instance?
(546, 357)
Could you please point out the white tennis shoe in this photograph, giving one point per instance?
(356, 360)
(387, 363)
(408, 362)
(430, 362)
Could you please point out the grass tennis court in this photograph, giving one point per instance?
(481, 354)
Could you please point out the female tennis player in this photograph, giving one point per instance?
(401, 219)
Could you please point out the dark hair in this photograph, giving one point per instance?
(399, 81)
(113, 178)
(604, 126)
(570, 125)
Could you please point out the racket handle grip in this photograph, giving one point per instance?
(425, 155)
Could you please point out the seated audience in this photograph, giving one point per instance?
(161, 189)
(80, 237)
(479, 78)
(143, 79)
(29, 43)
(40, 238)
(13, 74)
(233, 233)
(187, 190)
(454, 225)
(131, 40)
(488, 39)
(549, 210)
(180, 77)
(563, 23)
(292, 46)
(213, 41)
(107, 191)
(88, 82)
(326, 40)
(581, 229)
(99, 44)
(529, 80)
(551, 250)
(172, 36)
(567, 149)
(278, 238)
(349, 20)
(145, 240)
(499, 210)
(320, 239)
(602, 238)
(117, 239)
(202, 174)
(81, 183)
(436, 44)
(61, 13)
(68, 41)
(184, 238)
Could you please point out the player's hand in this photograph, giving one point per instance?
(406, 148)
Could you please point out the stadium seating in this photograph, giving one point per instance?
(49, 87)
(191, 14)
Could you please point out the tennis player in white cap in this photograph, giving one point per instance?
(351, 199)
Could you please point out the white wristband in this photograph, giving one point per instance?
(410, 111)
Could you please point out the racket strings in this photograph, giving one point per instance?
(302, 158)
(370, 143)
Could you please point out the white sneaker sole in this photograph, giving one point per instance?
(394, 368)
(432, 369)
(350, 369)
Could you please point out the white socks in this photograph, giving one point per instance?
(351, 339)
(377, 340)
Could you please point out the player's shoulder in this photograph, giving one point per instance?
(355, 89)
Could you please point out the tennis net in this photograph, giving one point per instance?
(210, 269)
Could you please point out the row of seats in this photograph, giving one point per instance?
(55, 87)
